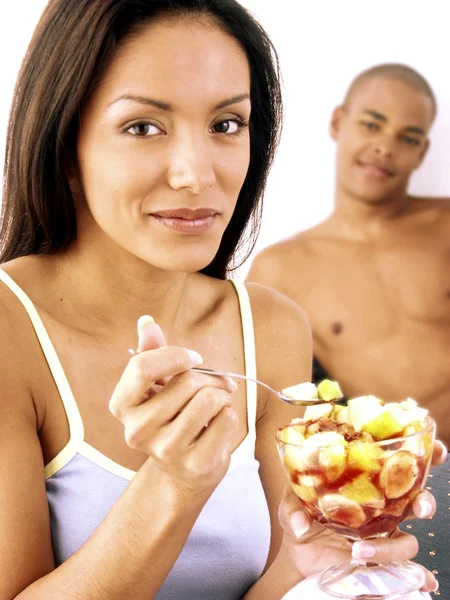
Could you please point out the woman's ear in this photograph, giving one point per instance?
(73, 178)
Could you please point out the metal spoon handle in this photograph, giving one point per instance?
(234, 376)
(244, 377)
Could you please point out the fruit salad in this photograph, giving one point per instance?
(357, 468)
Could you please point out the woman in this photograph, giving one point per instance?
(140, 139)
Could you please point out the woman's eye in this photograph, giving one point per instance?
(143, 130)
(226, 127)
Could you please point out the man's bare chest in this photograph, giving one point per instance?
(367, 295)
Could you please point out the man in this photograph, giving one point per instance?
(374, 277)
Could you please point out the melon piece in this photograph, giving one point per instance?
(362, 410)
(394, 418)
(399, 474)
(343, 416)
(385, 425)
(325, 438)
(312, 413)
(329, 390)
(301, 391)
(294, 434)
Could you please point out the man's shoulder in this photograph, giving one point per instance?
(439, 206)
(300, 245)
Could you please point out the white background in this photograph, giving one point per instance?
(322, 45)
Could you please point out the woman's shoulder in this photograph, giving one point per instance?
(277, 315)
(282, 337)
(19, 347)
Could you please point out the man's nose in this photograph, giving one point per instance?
(384, 146)
(191, 165)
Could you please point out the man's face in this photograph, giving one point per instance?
(381, 136)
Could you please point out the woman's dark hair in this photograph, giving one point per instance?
(72, 46)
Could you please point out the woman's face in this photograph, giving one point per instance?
(164, 147)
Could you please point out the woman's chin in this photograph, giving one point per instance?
(182, 264)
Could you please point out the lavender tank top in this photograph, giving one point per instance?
(228, 546)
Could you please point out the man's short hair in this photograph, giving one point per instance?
(396, 71)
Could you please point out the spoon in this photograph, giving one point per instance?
(289, 399)
(281, 396)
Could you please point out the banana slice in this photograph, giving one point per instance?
(342, 510)
(399, 474)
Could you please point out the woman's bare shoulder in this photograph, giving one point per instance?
(282, 336)
(20, 354)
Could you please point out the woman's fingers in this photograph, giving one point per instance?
(439, 453)
(293, 519)
(214, 443)
(150, 335)
(431, 584)
(170, 422)
(398, 547)
(424, 505)
(146, 368)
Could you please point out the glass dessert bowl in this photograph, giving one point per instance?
(356, 470)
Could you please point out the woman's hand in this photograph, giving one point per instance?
(180, 418)
(313, 548)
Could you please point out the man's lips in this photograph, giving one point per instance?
(376, 169)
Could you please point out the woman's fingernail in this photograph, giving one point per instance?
(436, 585)
(299, 524)
(232, 384)
(195, 357)
(363, 550)
(444, 452)
(425, 509)
(145, 320)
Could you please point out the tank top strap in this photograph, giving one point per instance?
(248, 335)
(57, 371)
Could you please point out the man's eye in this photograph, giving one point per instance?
(411, 141)
(370, 125)
(143, 130)
(228, 126)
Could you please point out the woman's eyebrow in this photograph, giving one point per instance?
(166, 106)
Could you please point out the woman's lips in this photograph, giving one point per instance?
(186, 220)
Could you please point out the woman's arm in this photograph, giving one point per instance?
(135, 547)
(299, 546)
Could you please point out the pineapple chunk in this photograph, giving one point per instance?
(306, 493)
(362, 491)
(365, 456)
